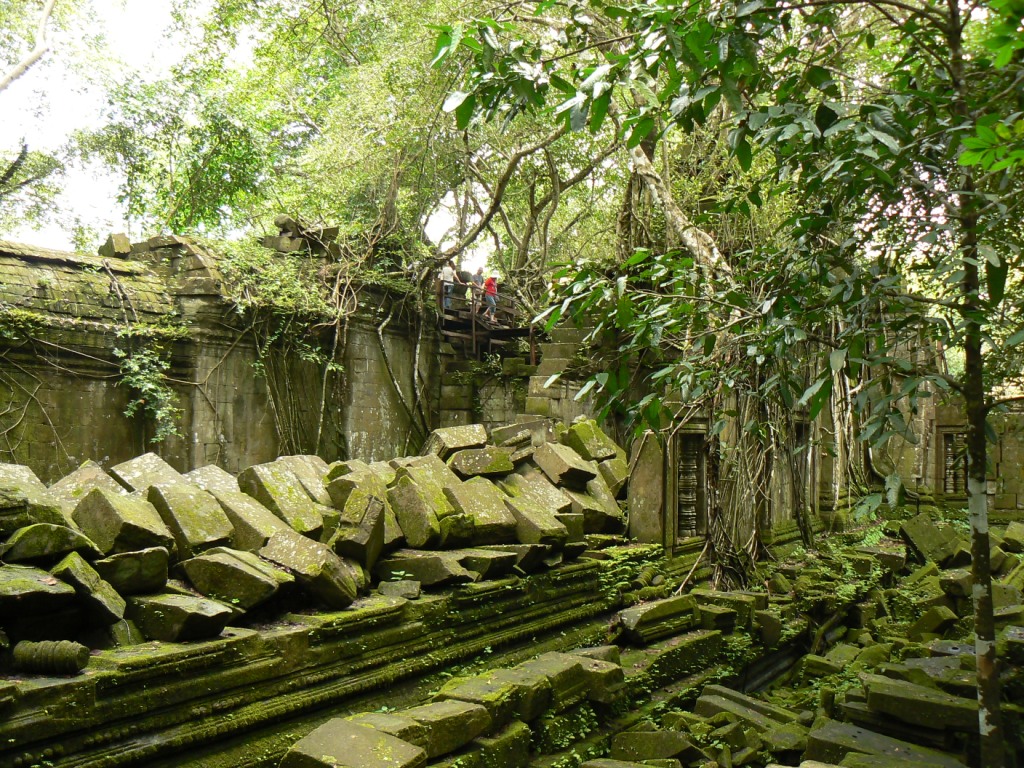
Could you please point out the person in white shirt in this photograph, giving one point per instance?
(449, 277)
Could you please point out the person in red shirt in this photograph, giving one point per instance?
(491, 298)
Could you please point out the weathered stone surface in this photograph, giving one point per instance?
(605, 679)
(395, 724)
(252, 524)
(450, 724)
(615, 472)
(534, 691)
(177, 618)
(229, 578)
(482, 502)
(489, 563)
(404, 588)
(444, 442)
(529, 557)
(279, 490)
(319, 570)
(574, 526)
(349, 744)
(646, 491)
(488, 461)
(384, 471)
(45, 543)
(654, 611)
(920, 705)
(26, 590)
(832, 741)
(534, 487)
(601, 513)
(24, 500)
(589, 441)
(927, 540)
(498, 697)
(101, 599)
(563, 466)
(143, 471)
(650, 745)
(569, 683)
(534, 523)
(415, 514)
(117, 523)
(956, 583)
(116, 246)
(935, 621)
(1013, 537)
(136, 572)
(429, 568)
(212, 478)
(70, 489)
(193, 516)
(311, 471)
(360, 534)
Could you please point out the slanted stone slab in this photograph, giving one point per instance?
(384, 471)
(534, 691)
(429, 568)
(46, 543)
(569, 683)
(311, 471)
(230, 579)
(605, 679)
(927, 540)
(24, 500)
(70, 489)
(320, 571)
(489, 563)
(212, 478)
(651, 745)
(482, 502)
(444, 442)
(1013, 537)
(563, 466)
(349, 744)
(500, 698)
(100, 598)
(415, 514)
(117, 523)
(404, 588)
(778, 714)
(360, 534)
(935, 621)
(488, 461)
(743, 603)
(832, 741)
(395, 724)
(601, 513)
(137, 572)
(252, 524)
(529, 557)
(918, 705)
(450, 724)
(643, 615)
(193, 516)
(535, 523)
(279, 490)
(177, 618)
(25, 590)
(589, 441)
(615, 472)
(143, 471)
(957, 582)
(536, 490)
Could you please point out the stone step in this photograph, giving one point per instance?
(551, 365)
(565, 350)
(566, 333)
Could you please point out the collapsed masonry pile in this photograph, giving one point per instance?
(144, 552)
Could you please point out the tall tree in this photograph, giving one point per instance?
(894, 128)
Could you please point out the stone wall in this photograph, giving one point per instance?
(67, 320)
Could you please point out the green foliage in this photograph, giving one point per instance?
(144, 371)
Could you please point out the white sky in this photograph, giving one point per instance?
(51, 101)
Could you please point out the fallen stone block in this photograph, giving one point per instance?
(45, 543)
(252, 524)
(893, 559)
(429, 568)
(927, 540)
(1013, 537)
(500, 698)
(177, 618)
(335, 581)
(446, 441)
(819, 666)
(25, 590)
(653, 745)
(212, 478)
(24, 500)
(589, 441)
(360, 534)
(70, 489)
(404, 588)
(143, 471)
(117, 523)
(778, 714)
(509, 747)
(574, 526)
(569, 682)
(658, 618)
(935, 621)
(488, 461)
(395, 724)
(534, 691)
(563, 466)
(535, 491)
(279, 490)
(415, 513)
(311, 472)
(450, 724)
(831, 741)
(920, 705)
(347, 744)
(231, 579)
(615, 472)
(956, 583)
(489, 563)
(100, 598)
(529, 557)
(484, 505)
(193, 516)
(136, 572)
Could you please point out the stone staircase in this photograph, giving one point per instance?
(556, 401)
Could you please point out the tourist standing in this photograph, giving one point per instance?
(491, 298)
(478, 288)
(448, 279)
